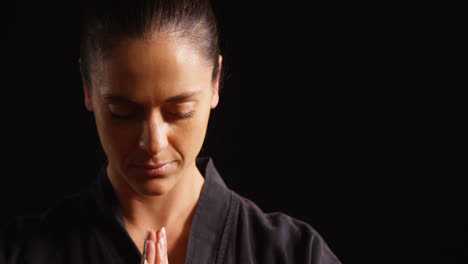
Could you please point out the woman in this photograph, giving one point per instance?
(151, 71)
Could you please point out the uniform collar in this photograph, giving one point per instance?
(208, 224)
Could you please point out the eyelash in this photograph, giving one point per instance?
(177, 116)
(120, 117)
(183, 116)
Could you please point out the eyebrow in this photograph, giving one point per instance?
(182, 96)
(179, 97)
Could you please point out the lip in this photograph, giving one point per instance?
(150, 170)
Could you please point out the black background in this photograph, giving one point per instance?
(326, 114)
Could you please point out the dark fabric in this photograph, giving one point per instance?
(227, 228)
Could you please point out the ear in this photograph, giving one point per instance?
(87, 92)
(215, 98)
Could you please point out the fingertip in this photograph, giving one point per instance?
(163, 233)
(152, 235)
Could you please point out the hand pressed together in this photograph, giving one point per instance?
(155, 249)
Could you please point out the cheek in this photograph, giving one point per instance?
(117, 140)
(188, 136)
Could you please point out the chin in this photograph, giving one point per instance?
(154, 192)
(153, 183)
(157, 186)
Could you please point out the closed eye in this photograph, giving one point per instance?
(122, 110)
(184, 115)
(121, 117)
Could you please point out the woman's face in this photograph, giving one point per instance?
(152, 100)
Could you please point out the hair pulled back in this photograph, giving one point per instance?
(106, 22)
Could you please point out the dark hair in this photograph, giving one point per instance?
(105, 22)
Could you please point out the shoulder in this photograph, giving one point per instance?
(13, 236)
(278, 238)
(67, 212)
(42, 232)
(271, 224)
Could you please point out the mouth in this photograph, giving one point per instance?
(153, 170)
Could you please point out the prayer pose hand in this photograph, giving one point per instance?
(155, 248)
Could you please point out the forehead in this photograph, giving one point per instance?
(158, 67)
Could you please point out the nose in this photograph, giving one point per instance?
(153, 137)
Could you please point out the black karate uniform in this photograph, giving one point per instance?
(226, 228)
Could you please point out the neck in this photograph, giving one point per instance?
(173, 209)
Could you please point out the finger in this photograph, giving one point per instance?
(161, 246)
(152, 235)
(164, 239)
(143, 254)
(150, 252)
